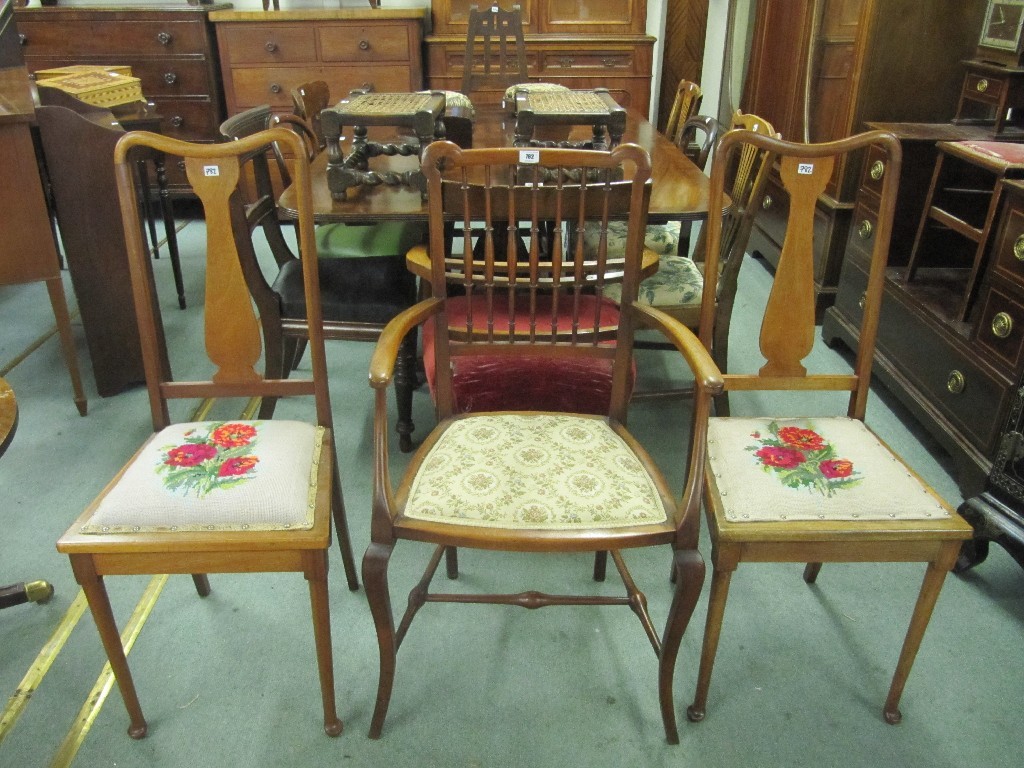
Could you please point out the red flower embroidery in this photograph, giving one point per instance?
(805, 439)
(233, 435)
(784, 458)
(190, 454)
(239, 466)
(836, 468)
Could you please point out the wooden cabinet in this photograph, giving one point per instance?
(957, 375)
(579, 43)
(820, 69)
(171, 49)
(265, 55)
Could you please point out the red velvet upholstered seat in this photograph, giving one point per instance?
(527, 383)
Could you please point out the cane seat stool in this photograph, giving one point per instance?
(535, 110)
(420, 113)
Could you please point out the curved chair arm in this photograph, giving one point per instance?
(382, 364)
(710, 127)
(707, 377)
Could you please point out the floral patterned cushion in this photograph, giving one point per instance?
(663, 239)
(678, 283)
(216, 476)
(803, 469)
(546, 471)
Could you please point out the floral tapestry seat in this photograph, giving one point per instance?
(812, 469)
(216, 476)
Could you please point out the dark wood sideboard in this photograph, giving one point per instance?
(957, 374)
(578, 43)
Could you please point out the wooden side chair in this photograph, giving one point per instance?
(535, 481)
(232, 496)
(824, 489)
(685, 105)
(362, 276)
(495, 55)
(677, 287)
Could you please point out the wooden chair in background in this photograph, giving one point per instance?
(363, 279)
(545, 482)
(495, 50)
(232, 496)
(685, 105)
(823, 489)
(677, 288)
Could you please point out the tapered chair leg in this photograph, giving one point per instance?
(341, 526)
(316, 574)
(712, 631)
(689, 570)
(929, 594)
(59, 303)
(103, 615)
(375, 577)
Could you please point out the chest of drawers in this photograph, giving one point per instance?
(957, 375)
(265, 55)
(171, 49)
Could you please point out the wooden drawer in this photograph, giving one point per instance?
(364, 43)
(253, 86)
(988, 90)
(267, 43)
(774, 213)
(1000, 327)
(568, 62)
(934, 361)
(188, 119)
(863, 229)
(872, 177)
(91, 38)
(1009, 244)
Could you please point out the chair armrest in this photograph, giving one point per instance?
(707, 376)
(382, 364)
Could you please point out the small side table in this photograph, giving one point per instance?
(568, 108)
(419, 112)
(22, 592)
(988, 94)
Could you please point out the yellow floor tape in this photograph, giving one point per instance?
(17, 703)
(94, 701)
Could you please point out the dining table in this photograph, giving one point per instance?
(679, 189)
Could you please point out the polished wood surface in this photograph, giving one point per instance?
(8, 415)
(679, 191)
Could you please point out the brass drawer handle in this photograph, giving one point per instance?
(863, 300)
(164, 38)
(22, 40)
(1018, 248)
(608, 63)
(877, 170)
(170, 78)
(177, 121)
(982, 85)
(271, 46)
(275, 88)
(1002, 325)
(864, 230)
(565, 63)
(767, 202)
(955, 382)
(364, 45)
